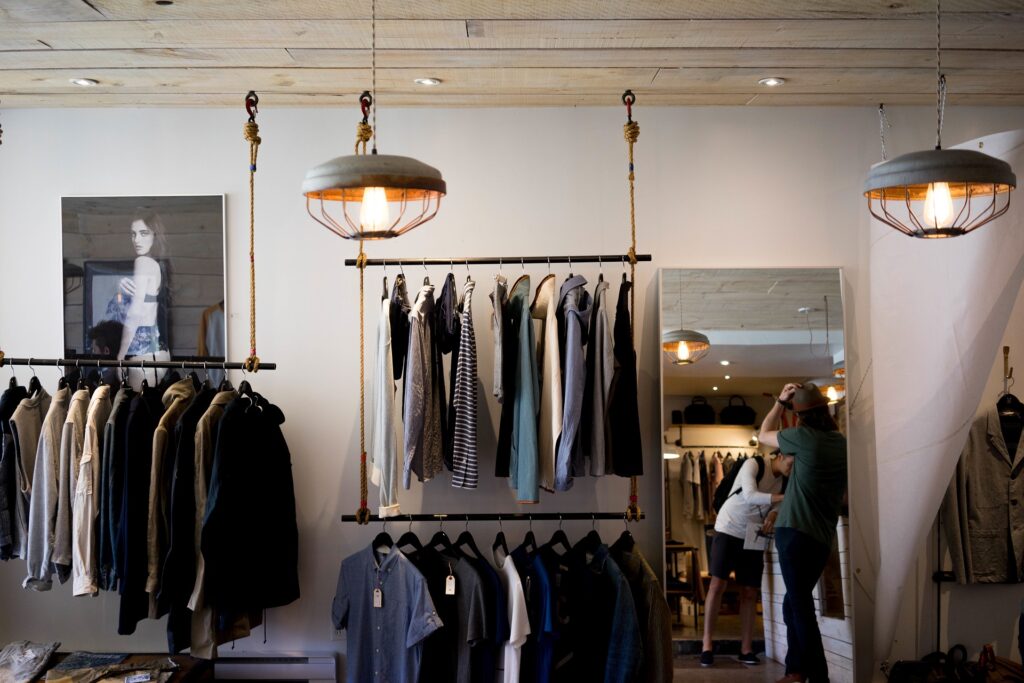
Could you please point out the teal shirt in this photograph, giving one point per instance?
(814, 494)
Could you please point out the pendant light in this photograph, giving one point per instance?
(939, 192)
(684, 347)
(378, 196)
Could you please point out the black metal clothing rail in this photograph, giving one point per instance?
(146, 364)
(499, 260)
(496, 517)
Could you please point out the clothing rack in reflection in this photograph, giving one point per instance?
(717, 448)
(143, 364)
(497, 517)
(499, 260)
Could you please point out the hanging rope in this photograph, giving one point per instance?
(252, 134)
(631, 131)
(363, 513)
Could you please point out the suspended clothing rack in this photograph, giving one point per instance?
(498, 260)
(495, 517)
(145, 364)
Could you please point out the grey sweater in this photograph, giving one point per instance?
(43, 509)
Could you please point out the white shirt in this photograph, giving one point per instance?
(507, 669)
(752, 502)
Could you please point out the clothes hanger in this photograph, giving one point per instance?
(409, 539)
(82, 384)
(559, 539)
(426, 278)
(499, 540)
(592, 541)
(600, 270)
(382, 542)
(469, 276)
(626, 540)
(440, 541)
(529, 544)
(33, 384)
(61, 381)
(14, 380)
(464, 541)
(570, 269)
(194, 376)
(384, 291)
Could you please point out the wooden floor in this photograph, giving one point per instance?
(688, 668)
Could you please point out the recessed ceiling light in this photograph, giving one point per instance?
(85, 82)
(427, 81)
(714, 388)
(669, 455)
(723, 362)
(772, 81)
(728, 376)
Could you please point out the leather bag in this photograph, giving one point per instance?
(699, 412)
(741, 414)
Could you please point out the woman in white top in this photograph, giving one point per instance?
(754, 498)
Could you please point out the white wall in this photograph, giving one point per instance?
(717, 187)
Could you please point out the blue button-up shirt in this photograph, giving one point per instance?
(384, 643)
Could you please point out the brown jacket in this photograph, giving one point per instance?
(983, 512)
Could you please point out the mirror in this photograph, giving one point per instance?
(732, 338)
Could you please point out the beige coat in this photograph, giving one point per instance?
(176, 400)
(549, 361)
(72, 443)
(983, 512)
(84, 531)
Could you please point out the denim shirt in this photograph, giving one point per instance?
(384, 643)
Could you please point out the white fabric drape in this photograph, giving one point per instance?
(938, 313)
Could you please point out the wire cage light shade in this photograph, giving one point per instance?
(685, 347)
(939, 193)
(376, 196)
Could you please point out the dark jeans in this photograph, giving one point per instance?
(802, 560)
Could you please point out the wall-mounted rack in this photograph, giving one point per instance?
(498, 260)
(144, 364)
(496, 517)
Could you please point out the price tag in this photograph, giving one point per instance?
(138, 678)
(378, 598)
(449, 585)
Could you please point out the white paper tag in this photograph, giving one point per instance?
(449, 585)
(138, 678)
(378, 598)
(755, 539)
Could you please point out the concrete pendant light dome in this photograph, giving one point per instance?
(939, 193)
(374, 196)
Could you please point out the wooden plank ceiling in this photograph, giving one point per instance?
(508, 52)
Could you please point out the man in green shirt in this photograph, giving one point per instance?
(806, 527)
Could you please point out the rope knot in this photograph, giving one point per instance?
(631, 131)
(1, 359)
(252, 132)
(364, 132)
(361, 260)
(252, 363)
(363, 515)
(632, 255)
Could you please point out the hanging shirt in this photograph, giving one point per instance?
(498, 329)
(652, 611)
(509, 367)
(465, 469)
(43, 506)
(519, 621)
(72, 445)
(112, 471)
(9, 402)
(383, 438)
(574, 304)
(175, 400)
(446, 341)
(600, 368)
(178, 571)
(399, 322)
(624, 445)
(26, 423)
(750, 500)
(816, 486)
(537, 653)
(84, 533)
(384, 643)
(550, 426)
(523, 456)
(423, 434)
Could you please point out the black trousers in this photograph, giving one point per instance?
(802, 560)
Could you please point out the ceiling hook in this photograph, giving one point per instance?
(252, 101)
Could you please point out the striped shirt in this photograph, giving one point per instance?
(464, 471)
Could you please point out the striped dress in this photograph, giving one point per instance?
(464, 460)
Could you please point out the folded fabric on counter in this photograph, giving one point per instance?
(22, 661)
(153, 671)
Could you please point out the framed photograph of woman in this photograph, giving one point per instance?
(146, 277)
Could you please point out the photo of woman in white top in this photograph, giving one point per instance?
(755, 497)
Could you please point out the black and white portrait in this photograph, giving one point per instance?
(144, 277)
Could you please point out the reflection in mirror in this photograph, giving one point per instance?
(732, 340)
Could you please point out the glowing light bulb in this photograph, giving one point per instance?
(683, 351)
(832, 394)
(938, 206)
(374, 214)
(669, 455)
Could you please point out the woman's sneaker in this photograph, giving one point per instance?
(707, 658)
(750, 659)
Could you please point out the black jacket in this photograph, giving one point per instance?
(250, 537)
(623, 413)
(143, 417)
